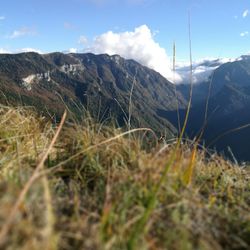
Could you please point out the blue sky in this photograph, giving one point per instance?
(219, 27)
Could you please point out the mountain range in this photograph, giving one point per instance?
(113, 89)
(228, 88)
(108, 87)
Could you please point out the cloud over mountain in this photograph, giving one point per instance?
(22, 50)
(138, 45)
(202, 69)
(30, 50)
(4, 51)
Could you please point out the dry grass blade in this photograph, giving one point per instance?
(191, 86)
(206, 118)
(175, 90)
(130, 101)
(140, 226)
(50, 242)
(228, 132)
(187, 178)
(207, 100)
(6, 227)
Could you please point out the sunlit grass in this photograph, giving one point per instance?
(95, 199)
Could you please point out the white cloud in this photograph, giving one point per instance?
(24, 31)
(245, 33)
(4, 51)
(138, 45)
(22, 50)
(30, 50)
(2, 18)
(83, 40)
(245, 13)
(202, 69)
(72, 50)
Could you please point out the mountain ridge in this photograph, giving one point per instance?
(100, 83)
(228, 108)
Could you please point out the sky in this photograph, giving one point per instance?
(144, 30)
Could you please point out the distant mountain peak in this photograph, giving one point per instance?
(243, 57)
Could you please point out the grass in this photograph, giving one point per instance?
(96, 183)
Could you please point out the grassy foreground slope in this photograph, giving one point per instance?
(95, 185)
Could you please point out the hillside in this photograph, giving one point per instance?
(94, 190)
(101, 84)
(228, 109)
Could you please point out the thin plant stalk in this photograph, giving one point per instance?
(230, 131)
(175, 90)
(9, 221)
(130, 101)
(191, 85)
(140, 225)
